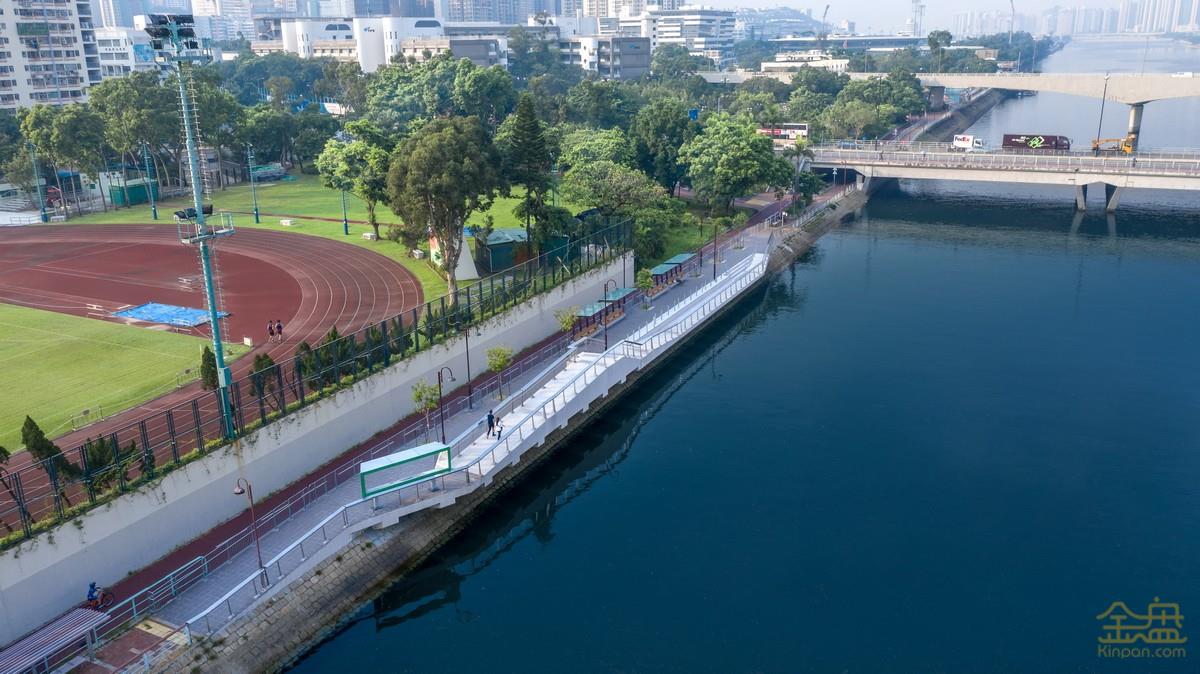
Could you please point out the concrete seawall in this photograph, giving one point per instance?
(963, 117)
(275, 633)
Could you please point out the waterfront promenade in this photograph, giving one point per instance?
(204, 594)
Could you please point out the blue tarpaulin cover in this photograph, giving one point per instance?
(153, 312)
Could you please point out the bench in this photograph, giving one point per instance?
(48, 645)
(286, 222)
(369, 236)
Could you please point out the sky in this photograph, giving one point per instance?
(889, 16)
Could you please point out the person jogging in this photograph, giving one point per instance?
(279, 329)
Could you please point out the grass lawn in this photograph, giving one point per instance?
(57, 365)
(307, 199)
(682, 239)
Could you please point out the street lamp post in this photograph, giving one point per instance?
(149, 185)
(470, 384)
(242, 486)
(345, 221)
(604, 301)
(250, 168)
(714, 250)
(1100, 125)
(37, 180)
(441, 409)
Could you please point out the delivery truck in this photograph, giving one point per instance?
(967, 143)
(1031, 141)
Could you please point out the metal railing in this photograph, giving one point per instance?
(656, 335)
(48, 492)
(1143, 154)
(549, 358)
(1054, 163)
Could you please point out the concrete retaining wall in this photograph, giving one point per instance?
(48, 574)
(275, 633)
(963, 117)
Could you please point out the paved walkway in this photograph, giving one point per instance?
(219, 580)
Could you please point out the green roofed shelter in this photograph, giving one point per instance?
(662, 270)
(680, 258)
(618, 295)
(591, 310)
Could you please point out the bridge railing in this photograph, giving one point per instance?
(1010, 161)
(1143, 154)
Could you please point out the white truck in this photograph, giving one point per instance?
(967, 143)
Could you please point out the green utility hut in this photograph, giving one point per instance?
(138, 189)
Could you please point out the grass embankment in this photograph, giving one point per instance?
(316, 211)
(56, 366)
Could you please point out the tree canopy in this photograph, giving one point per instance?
(729, 159)
(439, 177)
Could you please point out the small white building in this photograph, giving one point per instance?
(124, 51)
(790, 61)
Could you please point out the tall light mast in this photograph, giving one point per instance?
(175, 34)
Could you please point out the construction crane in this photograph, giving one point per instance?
(1122, 145)
(823, 31)
(1012, 21)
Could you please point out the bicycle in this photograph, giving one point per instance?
(104, 599)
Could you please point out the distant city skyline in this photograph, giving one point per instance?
(894, 17)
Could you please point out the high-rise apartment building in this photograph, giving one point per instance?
(223, 19)
(47, 53)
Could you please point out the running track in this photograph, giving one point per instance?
(327, 283)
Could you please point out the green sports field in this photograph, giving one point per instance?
(56, 365)
(309, 204)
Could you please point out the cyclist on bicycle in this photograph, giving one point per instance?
(93, 593)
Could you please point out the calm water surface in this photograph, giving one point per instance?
(943, 442)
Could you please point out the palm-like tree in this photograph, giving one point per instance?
(797, 154)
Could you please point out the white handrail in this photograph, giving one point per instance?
(737, 278)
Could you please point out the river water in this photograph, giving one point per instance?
(945, 441)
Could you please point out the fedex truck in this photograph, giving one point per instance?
(964, 142)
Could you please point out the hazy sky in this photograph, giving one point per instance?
(889, 17)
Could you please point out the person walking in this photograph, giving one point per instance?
(279, 329)
(491, 421)
(270, 331)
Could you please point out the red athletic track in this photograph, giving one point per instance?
(310, 283)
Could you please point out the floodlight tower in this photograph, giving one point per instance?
(175, 35)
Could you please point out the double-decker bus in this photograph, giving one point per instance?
(785, 134)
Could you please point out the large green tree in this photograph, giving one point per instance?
(673, 62)
(78, 136)
(610, 187)
(358, 166)
(271, 131)
(584, 145)
(658, 131)
(219, 117)
(729, 159)
(439, 177)
(527, 160)
(486, 93)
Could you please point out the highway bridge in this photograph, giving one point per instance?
(937, 161)
(1131, 89)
